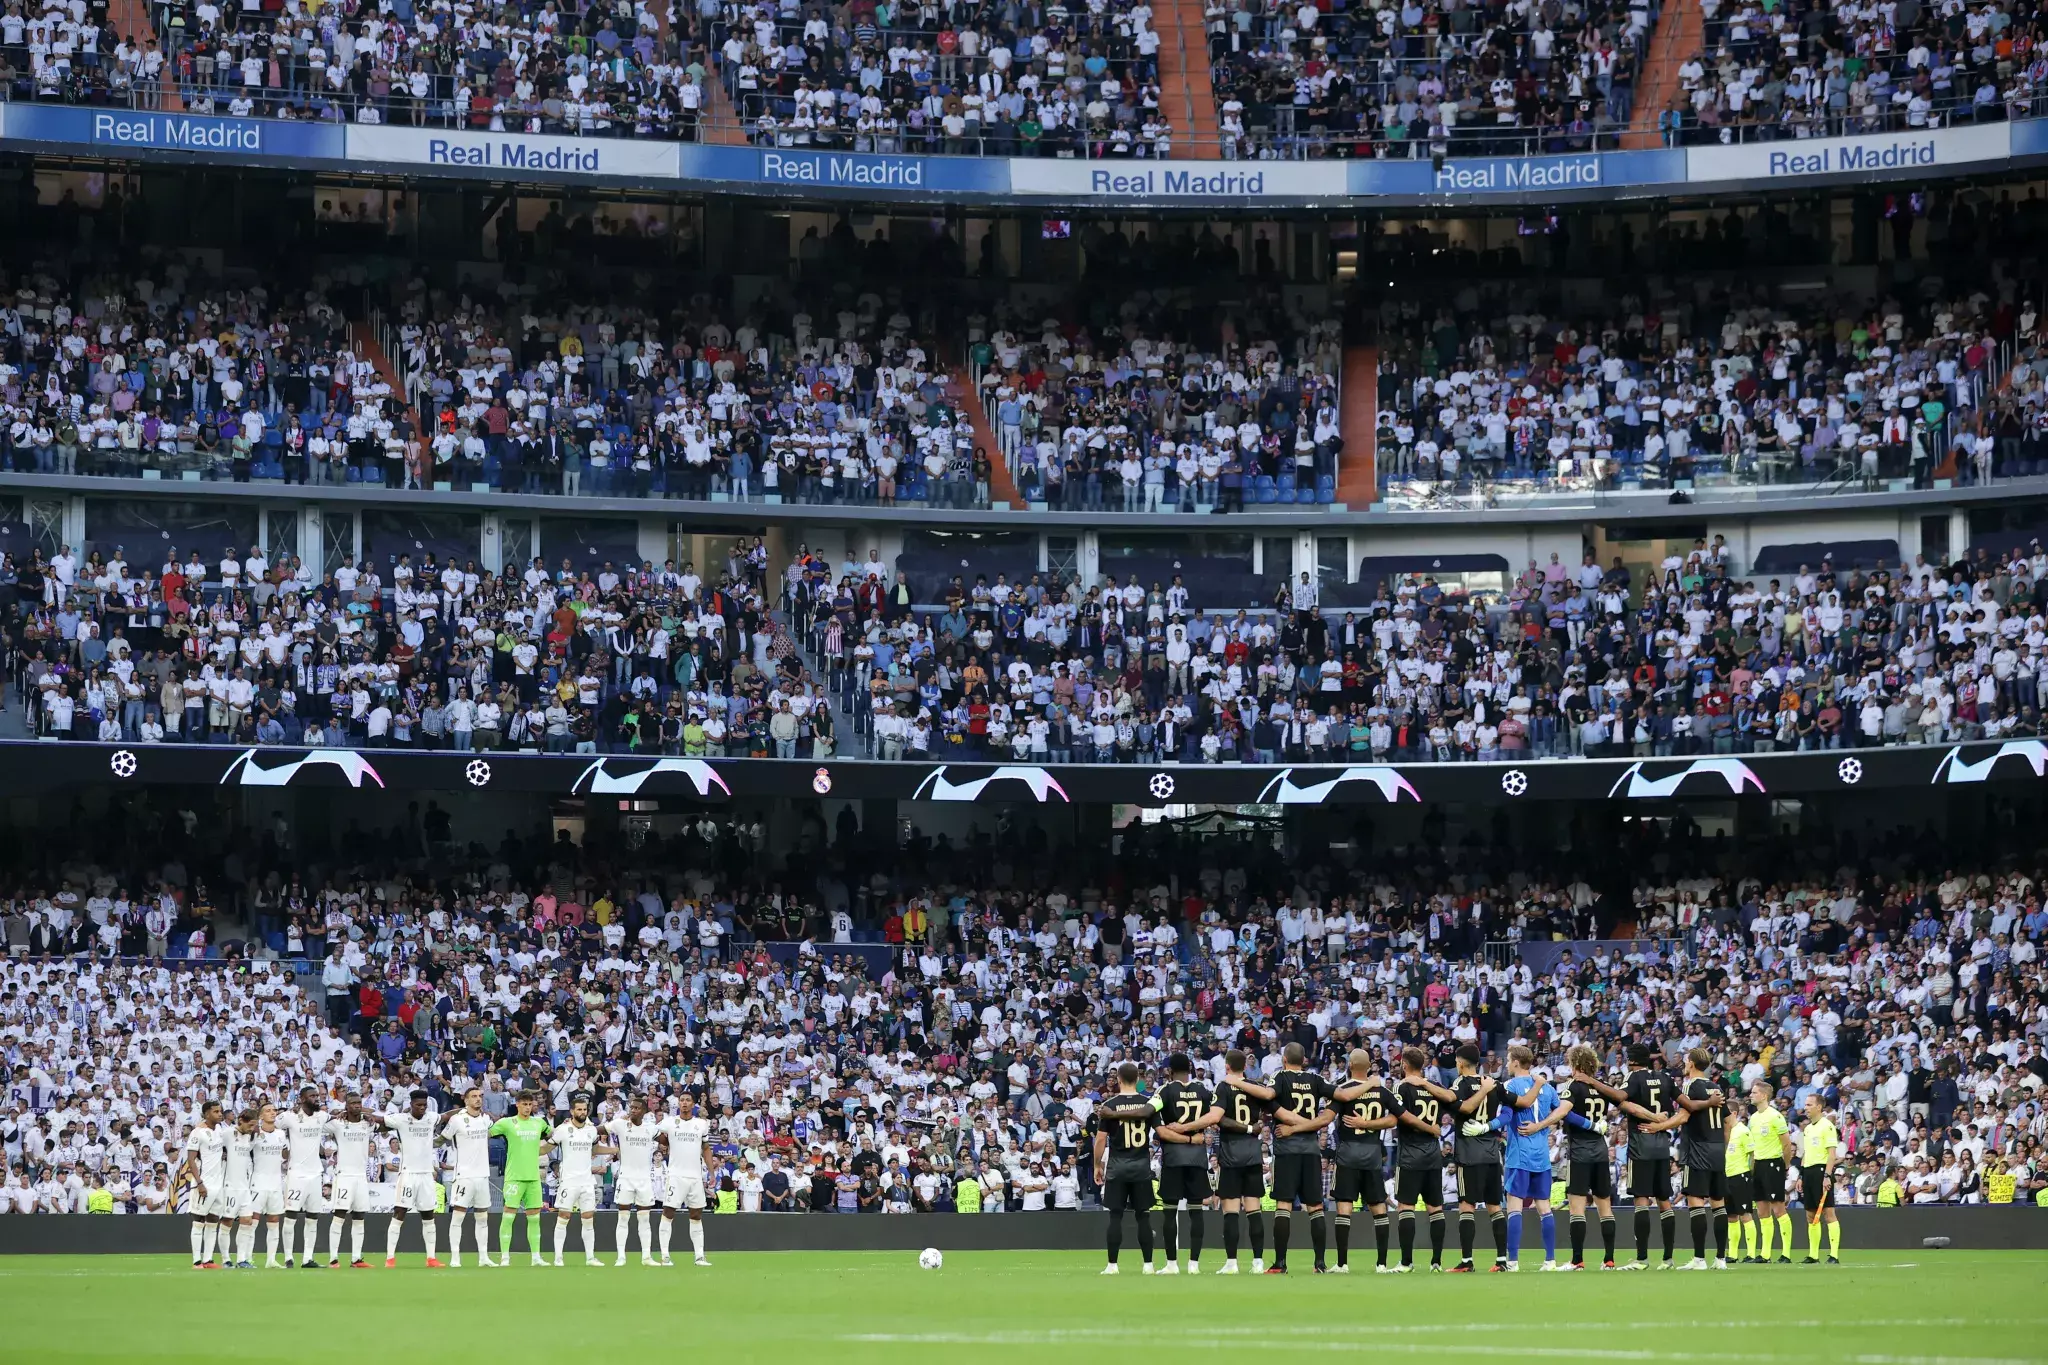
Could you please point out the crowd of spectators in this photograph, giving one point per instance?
(1824, 68)
(1041, 78)
(1571, 660)
(1735, 385)
(1148, 399)
(1169, 406)
(1416, 78)
(604, 70)
(873, 1027)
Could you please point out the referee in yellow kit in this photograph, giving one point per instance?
(1821, 1145)
(1770, 1149)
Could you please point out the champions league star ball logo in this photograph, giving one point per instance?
(1850, 770)
(1514, 782)
(1161, 786)
(123, 763)
(478, 772)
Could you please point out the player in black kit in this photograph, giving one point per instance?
(1592, 1165)
(1705, 1155)
(1365, 1109)
(1300, 1113)
(1123, 1126)
(1477, 1150)
(1183, 1160)
(1649, 1098)
(1419, 1156)
(1234, 1113)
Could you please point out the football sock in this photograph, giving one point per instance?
(1382, 1232)
(1549, 1236)
(1721, 1233)
(646, 1220)
(1407, 1236)
(1229, 1234)
(1578, 1238)
(1785, 1233)
(430, 1232)
(397, 1226)
(1500, 1233)
(1699, 1232)
(667, 1234)
(1144, 1236)
(291, 1237)
(1670, 1221)
(1607, 1238)
(1194, 1233)
(198, 1231)
(1283, 1227)
(1343, 1239)
(1318, 1235)
(1737, 1230)
(1513, 1248)
(561, 1234)
(1116, 1236)
(1770, 1230)
(1468, 1228)
(1835, 1238)
(1642, 1234)
(1436, 1236)
(533, 1231)
(1169, 1234)
(334, 1230)
(697, 1236)
(1255, 1222)
(456, 1218)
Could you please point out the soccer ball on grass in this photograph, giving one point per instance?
(930, 1259)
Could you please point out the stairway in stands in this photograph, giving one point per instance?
(131, 19)
(1677, 37)
(1001, 486)
(364, 338)
(1186, 94)
(1357, 474)
(722, 123)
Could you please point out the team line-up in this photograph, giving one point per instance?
(266, 1168)
(1150, 1148)
(1734, 1158)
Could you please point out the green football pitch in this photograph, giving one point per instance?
(1878, 1308)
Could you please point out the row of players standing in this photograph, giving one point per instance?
(1498, 1130)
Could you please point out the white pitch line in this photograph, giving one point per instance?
(1052, 1338)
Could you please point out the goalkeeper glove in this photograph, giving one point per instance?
(1473, 1128)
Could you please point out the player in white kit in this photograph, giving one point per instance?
(238, 1232)
(350, 1200)
(578, 1140)
(689, 1158)
(267, 1185)
(305, 1183)
(416, 1185)
(636, 1136)
(470, 1130)
(206, 1166)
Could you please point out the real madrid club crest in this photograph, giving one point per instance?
(821, 781)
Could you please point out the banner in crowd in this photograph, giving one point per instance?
(1121, 183)
(515, 155)
(43, 766)
(1928, 152)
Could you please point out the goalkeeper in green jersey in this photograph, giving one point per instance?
(526, 1141)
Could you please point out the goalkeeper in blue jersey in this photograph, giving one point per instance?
(1525, 1118)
